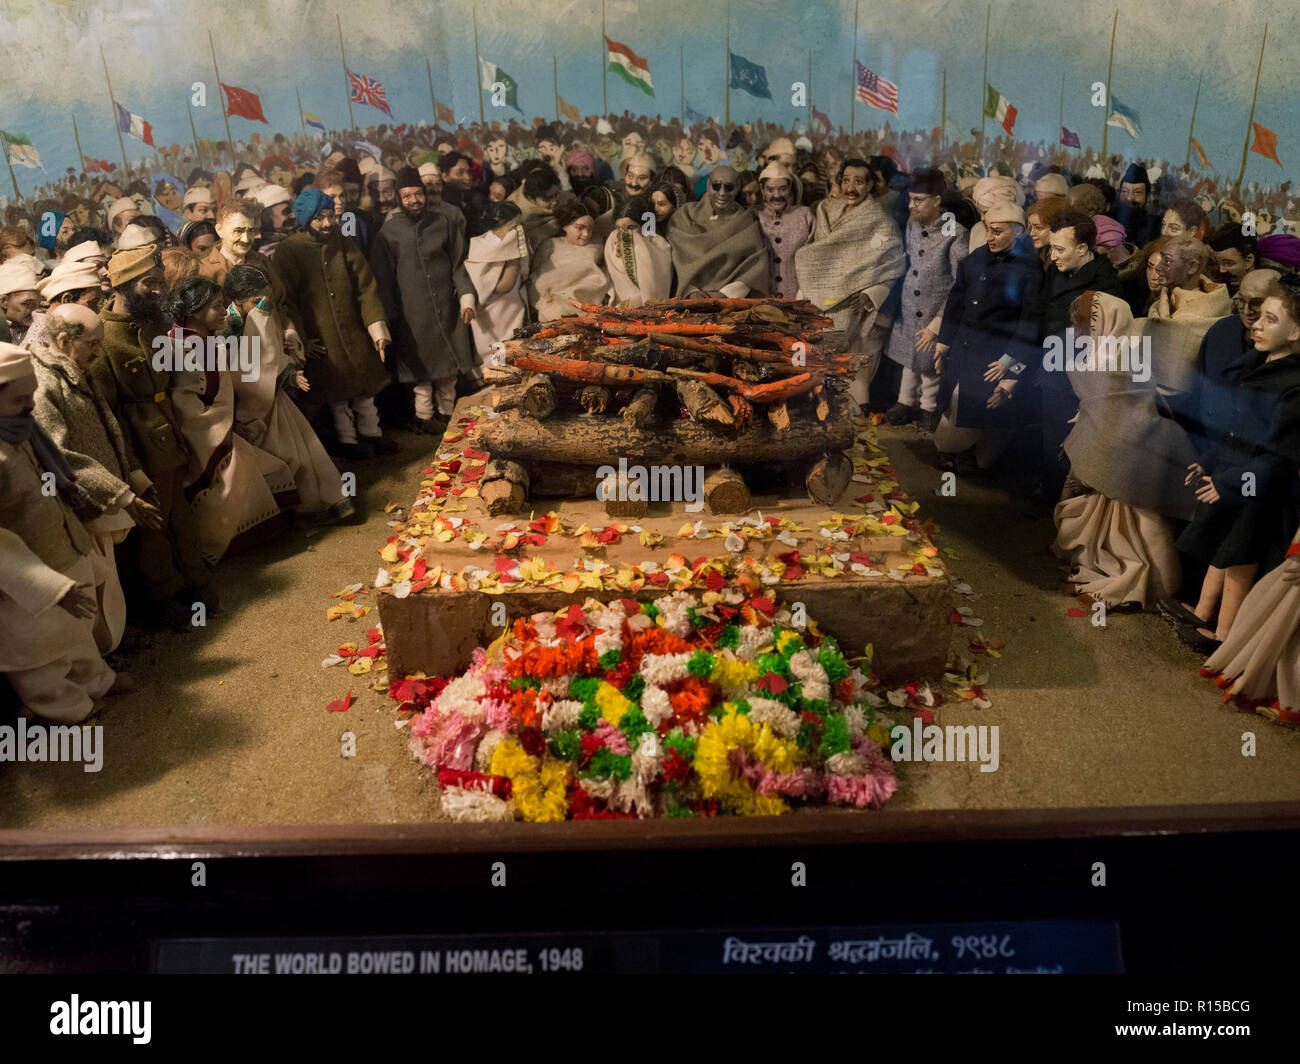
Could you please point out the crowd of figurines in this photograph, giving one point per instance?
(369, 290)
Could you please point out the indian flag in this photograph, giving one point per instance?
(18, 149)
(634, 70)
(999, 108)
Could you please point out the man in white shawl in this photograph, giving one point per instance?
(232, 486)
(717, 244)
(47, 597)
(639, 261)
(849, 267)
(497, 264)
(266, 416)
(568, 267)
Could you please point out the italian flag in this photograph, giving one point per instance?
(999, 108)
(634, 69)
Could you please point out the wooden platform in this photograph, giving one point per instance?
(903, 613)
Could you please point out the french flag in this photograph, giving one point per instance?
(134, 125)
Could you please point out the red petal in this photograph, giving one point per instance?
(716, 581)
(341, 705)
(1076, 612)
(764, 605)
(374, 635)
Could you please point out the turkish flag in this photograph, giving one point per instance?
(1265, 143)
(243, 104)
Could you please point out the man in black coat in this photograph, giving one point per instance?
(978, 332)
(1075, 269)
(1227, 351)
(418, 260)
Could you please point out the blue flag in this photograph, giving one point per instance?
(749, 76)
(1125, 118)
(693, 116)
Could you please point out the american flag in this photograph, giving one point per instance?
(367, 90)
(875, 91)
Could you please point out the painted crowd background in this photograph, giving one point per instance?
(1187, 86)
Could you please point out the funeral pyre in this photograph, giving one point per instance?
(722, 383)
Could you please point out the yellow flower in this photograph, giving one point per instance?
(785, 639)
(737, 731)
(539, 797)
(611, 702)
(733, 676)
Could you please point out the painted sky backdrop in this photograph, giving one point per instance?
(49, 53)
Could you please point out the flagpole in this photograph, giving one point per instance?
(113, 101)
(352, 122)
(988, 15)
(555, 81)
(943, 112)
(604, 62)
(1245, 148)
(1060, 116)
(302, 120)
(1191, 132)
(81, 159)
(198, 154)
(853, 96)
(726, 115)
(681, 65)
(1105, 119)
(810, 105)
(17, 195)
(224, 113)
(433, 100)
(478, 71)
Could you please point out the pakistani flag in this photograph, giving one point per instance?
(18, 149)
(749, 76)
(1124, 118)
(633, 69)
(491, 74)
(999, 108)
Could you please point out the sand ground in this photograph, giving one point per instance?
(229, 723)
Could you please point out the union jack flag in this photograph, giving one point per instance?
(367, 90)
(876, 91)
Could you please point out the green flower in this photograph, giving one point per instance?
(605, 763)
(634, 688)
(701, 664)
(832, 661)
(683, 744)
(633, 724)
(610, 658)
(835, 735)
(730, 637)
(566, 746)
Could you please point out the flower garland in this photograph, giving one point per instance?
(686, 706)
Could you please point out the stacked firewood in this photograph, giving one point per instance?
(730, 364)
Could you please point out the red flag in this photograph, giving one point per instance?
(1200, 152)
(446, 114)
(91, 166)
(1265, 143)
(243, 104)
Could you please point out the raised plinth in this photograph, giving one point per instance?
(878, 594)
